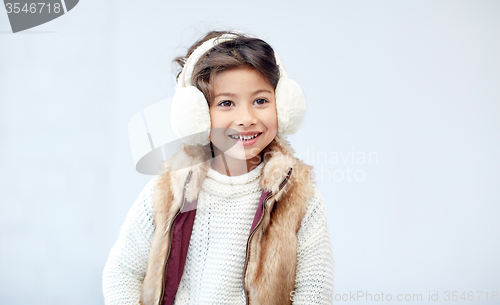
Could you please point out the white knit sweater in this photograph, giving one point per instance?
(216, 255)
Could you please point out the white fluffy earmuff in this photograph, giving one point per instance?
(190, 116)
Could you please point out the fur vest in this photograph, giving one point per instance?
(271, 258)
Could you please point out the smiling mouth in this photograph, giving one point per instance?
(244, 138)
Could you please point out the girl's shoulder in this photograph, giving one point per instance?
(316, 201)
(316, 214)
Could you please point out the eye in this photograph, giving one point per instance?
(260, 101)
(225, 103)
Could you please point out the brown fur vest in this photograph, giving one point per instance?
(272, 258)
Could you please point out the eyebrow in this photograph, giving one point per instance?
(233, 95)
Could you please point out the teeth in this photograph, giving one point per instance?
(243, 138)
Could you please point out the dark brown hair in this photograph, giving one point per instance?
(239, 52)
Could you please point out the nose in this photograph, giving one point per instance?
(246, 117)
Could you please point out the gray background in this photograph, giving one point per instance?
(414, 83)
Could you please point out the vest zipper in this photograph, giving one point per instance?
(170, 239)
(282, 184)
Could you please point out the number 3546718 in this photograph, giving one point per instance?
(471, 296)
(33, 8)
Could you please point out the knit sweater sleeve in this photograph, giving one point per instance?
(126, 266)
(314, 275)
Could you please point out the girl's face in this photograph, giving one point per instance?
(243, 113)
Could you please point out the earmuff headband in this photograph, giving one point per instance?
(190, 116)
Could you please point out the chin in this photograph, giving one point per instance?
(238, 153)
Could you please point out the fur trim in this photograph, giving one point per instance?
(190, 158)
(166, 202)
(163, 199)
(272, 260)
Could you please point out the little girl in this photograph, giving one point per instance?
(236, 218)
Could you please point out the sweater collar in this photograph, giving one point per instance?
(221, 185)
(236, 180)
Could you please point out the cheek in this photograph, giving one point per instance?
(219, 124)
(271, 121)
(216, 119)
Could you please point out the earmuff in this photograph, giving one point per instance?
(190, 116)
